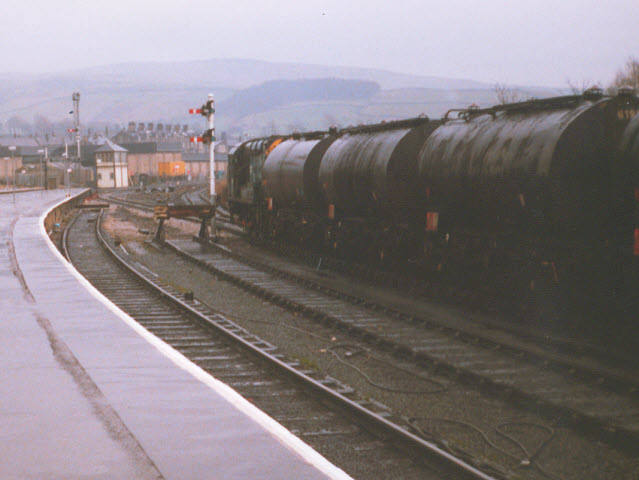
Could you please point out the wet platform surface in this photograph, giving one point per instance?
(86, 393)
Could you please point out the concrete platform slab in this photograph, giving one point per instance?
(87, 393)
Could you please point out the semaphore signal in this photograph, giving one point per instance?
(208, 137)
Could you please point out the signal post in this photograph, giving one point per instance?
(208, 138)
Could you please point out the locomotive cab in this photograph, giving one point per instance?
(245, 177)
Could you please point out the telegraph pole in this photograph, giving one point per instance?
(76, 115)
(43, 163)
(67, 170)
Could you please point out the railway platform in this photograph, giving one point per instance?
(85, 392)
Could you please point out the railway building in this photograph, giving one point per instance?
(158, 151)
(9, 162)
(154, 159)
(111, 166)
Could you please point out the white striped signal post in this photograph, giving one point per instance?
(208, 138)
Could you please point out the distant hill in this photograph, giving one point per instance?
(251, 95)
(277, 93)
(383, 105)
(241, 73)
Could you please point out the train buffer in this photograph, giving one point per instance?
(164, 212)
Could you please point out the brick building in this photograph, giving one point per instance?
(145, 158)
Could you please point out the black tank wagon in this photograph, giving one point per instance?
(535, 185)
(553, 158)
(291, 191)
(291, 170)
(627, 220)
(368, 177)
(371, 171)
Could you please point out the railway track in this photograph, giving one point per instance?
(222, 218)
(617, 372)
(581, 388)
(366, 274)
(362, 438)
(591, 398)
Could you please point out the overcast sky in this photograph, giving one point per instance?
(544, 42)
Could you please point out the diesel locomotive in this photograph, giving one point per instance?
(520, 195)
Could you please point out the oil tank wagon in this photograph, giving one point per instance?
(371, 172)
(291, 170)
(540, 179)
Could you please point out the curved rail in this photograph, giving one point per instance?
(374, 421)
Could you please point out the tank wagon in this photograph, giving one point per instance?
(628, 216)
(368, 178)
(540, 190)
(536, 184)
(293, 196)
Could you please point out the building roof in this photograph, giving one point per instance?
(141, 147)
(72, 149)
(195, 157)
(5, 152)
(21, 150)
(152, 147)
(109, 146)
(204, 157)
(19, 141)
(86, 149)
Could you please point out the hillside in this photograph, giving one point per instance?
(250, 94)
(277, 93)
(240, 73)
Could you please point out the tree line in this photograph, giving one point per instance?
(626, 76)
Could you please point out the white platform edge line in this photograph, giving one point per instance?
(278, 431)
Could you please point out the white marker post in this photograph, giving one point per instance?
(13, 173)
(42, 155)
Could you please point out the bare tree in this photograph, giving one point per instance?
(506, 94)
(18, 126)
(272, 127)
(42, 125)
(578, 88)
(329, 120)
(295, 126)
(628, 75)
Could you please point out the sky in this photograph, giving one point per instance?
(541, 43)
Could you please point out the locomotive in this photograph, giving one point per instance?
(520, 195)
